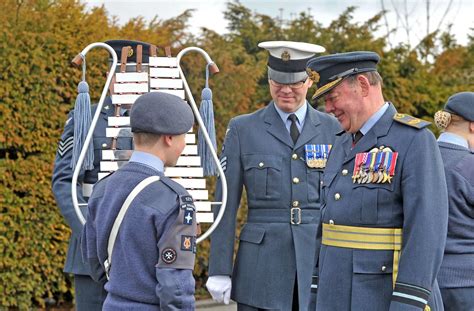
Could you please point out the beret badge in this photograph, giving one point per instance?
(313, 75)
(285, 56)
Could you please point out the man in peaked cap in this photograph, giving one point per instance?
(384, 217)
(150, 262)
(89, 295)
(456, 143)
(278, 154)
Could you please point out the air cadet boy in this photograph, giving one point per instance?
(385, 210)
(456, 143)
(278, 153)
(151, 262)
(89, 295)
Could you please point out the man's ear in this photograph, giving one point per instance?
(167, 140)
(471, 127)
(364, 85)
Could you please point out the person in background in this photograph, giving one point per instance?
(89, 295)
(456, 143)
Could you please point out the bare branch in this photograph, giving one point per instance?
(448, 8)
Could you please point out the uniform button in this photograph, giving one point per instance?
(294, 156)
(321, 182)
(261, 164)
(337, 196)
(344, 172)
(104, 145)
(384, 268)
(331, 222)
(296, 203)
(296, 180)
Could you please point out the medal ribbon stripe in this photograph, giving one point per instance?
(394, 157)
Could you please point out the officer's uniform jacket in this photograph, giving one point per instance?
(62, 178)
(415, 200)
(259, 154)
(153, 255)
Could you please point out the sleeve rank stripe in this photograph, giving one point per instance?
(66, 141)
(411, 294)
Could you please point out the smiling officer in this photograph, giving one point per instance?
(384, 217)
(278, 153)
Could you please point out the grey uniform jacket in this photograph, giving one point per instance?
(415, 200)
(62, 178)
(259, 154)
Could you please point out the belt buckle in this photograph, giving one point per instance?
(292, 214)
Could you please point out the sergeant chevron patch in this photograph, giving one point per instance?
(65, 145)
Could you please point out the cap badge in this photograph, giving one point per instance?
(313, 75)
(130, 52)
(285, 56)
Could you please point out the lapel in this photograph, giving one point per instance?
(370, 139)
(309, 130)
(275, 125)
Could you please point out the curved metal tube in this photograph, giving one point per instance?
(77, 60)
(206, 135)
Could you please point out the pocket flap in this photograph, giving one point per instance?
(373, 261)
(328, 177)
(261, 161)
(252, 234)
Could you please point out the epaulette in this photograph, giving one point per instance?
(410, 121)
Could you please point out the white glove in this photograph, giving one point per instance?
(219, 287)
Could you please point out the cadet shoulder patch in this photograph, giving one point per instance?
(188, 243)
(410, 121)
(65, 145)
(169, 255)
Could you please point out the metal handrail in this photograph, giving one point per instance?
(77, 61)
(213, 69)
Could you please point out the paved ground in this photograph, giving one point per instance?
(210, 305)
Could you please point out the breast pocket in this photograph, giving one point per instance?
(100, 143)
(375, 202)
(372, 279)
(262, 176)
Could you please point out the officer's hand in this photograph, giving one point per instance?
(219, 287)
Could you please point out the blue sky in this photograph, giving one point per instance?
(209, 14)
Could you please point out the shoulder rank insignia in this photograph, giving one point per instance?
(410, 121)
(186, 202)
(317, 155)
(375, 167)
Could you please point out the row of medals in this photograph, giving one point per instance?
(367, 175)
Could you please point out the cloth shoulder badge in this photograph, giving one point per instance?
(317, 155)
(376, 166)
(187, 205)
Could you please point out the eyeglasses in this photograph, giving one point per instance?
(296, 85)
